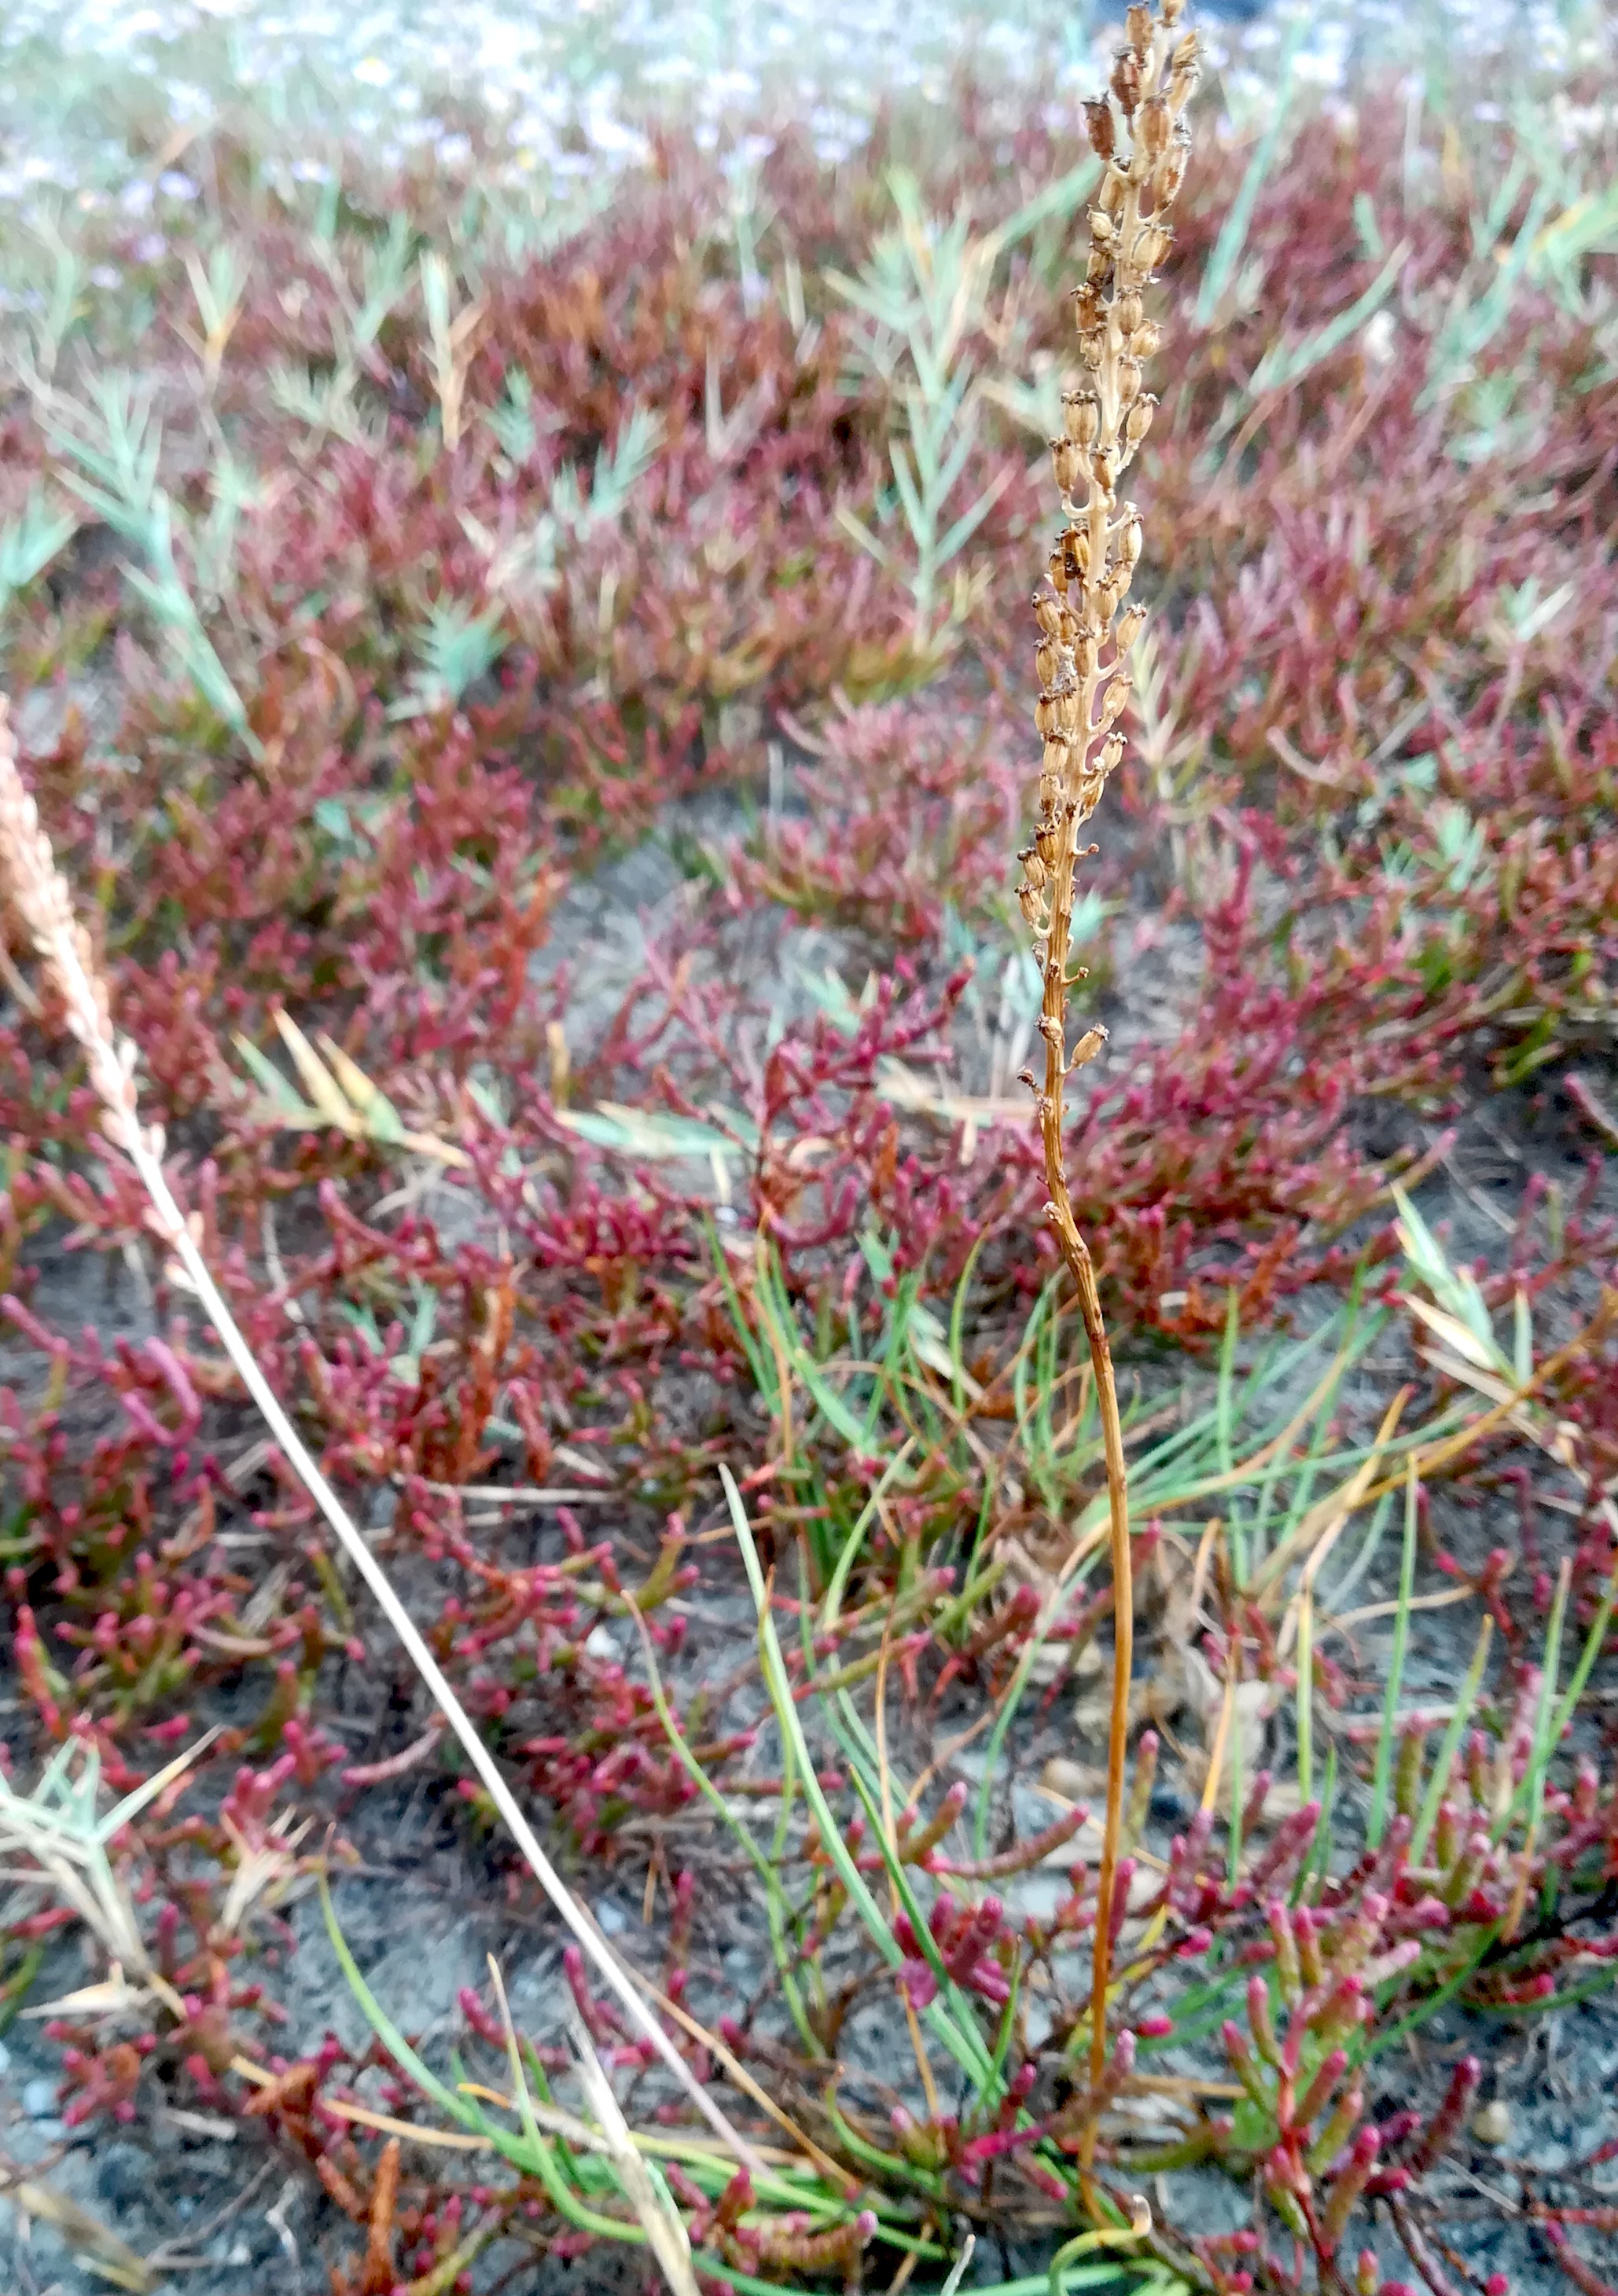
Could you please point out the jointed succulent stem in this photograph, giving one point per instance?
(1085, 635)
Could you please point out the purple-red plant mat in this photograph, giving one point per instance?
(1385, 909)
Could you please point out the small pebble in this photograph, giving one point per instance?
(124, 2176)
(1492, 2123)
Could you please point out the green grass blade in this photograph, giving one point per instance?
(1594, 1642)
(1382, 1773)
(1448, 1744)
(1228, 247)
(1548, 1727)
(459, 2108)
(779, 1688)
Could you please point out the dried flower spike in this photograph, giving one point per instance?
(1142, 140)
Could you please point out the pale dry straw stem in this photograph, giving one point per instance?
(1084, 688)
(39, 896)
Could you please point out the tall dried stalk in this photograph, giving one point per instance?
(1143, 143)
(38, 895)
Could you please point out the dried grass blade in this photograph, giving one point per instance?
(40, 896)
(643, 2187)
(108, 2257)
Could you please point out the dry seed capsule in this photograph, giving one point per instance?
(1057, 712)
(1129, 542)
(1087, 647)
(1154, 126)
(1047, 838)
(1067, 461)
(1098, 120)
(1088, 310)
(1032, 866)
(1098, 266)
(1172, 11)
(1109, 199)
(1148, 337)
(1028, 901)
(1104, 467)
(1111, 752)
(1129, 382)
(1092, 348)
(1047, 613)
(1151, 245)
(1115, 700)
(1057, 566)
(1185, 54)
(1170, 175)
(1053, 766)
(1138, 29)
(1126, 81)
(1129, 313)
(1047, 661)
(1129, 628)
(1103, 230)
(1081, 416)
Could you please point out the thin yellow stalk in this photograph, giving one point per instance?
(38, 893)
(646, 2192)
(1084, 646)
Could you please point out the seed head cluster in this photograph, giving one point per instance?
(1086, 630)
(37, 894)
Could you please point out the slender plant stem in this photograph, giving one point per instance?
(1086, 638)
(1076, 1253)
